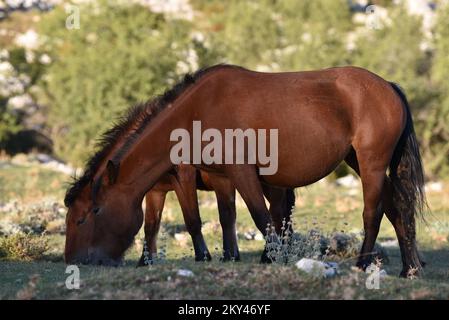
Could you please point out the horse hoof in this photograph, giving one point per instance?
(264, 259)
(140, 263)
(362, 265)
(229, 258)
(206, 257)
(411, 273)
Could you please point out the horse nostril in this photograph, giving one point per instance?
(96, 210)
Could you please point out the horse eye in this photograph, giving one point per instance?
(96, 211)
(81, 221)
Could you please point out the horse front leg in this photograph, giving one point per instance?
(154, 204)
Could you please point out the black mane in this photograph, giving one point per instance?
(130, 126)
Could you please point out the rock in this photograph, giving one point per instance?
(185, 273)
(434, 186)
(249, 235)
(20, 159)
(253, 235)
(259, 237)
(348, 181)
(390, 243)
(317, 268)
(182, 238)
(340, 242)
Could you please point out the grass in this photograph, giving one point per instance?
(322, 206)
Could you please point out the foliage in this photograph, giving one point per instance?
(397, 56)
(8, 124)
(435, 130)
(125, 53)
(120, 56)
(286, 35)
(22, 246)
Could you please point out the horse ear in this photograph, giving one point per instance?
(112, 170)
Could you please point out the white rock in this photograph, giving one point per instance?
(6, 67)
(383, 273)
(178, 9)
(348, 181)
(259, 237)
(45, 59)
(28, 40)
(317, 268)
(20, 102)
(389, 243)
(434, 186)
(184, 273)
(180, 236)
(249, 235)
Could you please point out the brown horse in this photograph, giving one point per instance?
(183, 180)
(323, 117)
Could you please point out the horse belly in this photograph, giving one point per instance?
(310, 148)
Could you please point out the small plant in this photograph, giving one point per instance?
(36, 219)
(147, 260)
(29, 291)
(289, 247)
(23, 247)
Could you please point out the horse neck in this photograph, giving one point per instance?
(148, 158)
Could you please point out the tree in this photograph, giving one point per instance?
(436, 126)
(313, 34)
(121, 55)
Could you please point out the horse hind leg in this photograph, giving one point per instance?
(246, 181)
(372, 174)
(392, 214)
(409, 252)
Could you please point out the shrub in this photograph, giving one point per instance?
(289, 247)
(23, 247)
(32, 219)
(121, 55)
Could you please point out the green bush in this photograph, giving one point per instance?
(436, 126)
(23, 247)
(285, 35)
(124, 54)
(121, 55)
(8, 124)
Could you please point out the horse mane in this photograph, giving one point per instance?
(129, 127)
(124, 125)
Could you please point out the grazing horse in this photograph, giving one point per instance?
(182, 179)
(323, 118)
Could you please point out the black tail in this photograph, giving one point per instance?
(407, 175)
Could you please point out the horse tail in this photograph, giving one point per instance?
(407, 177)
